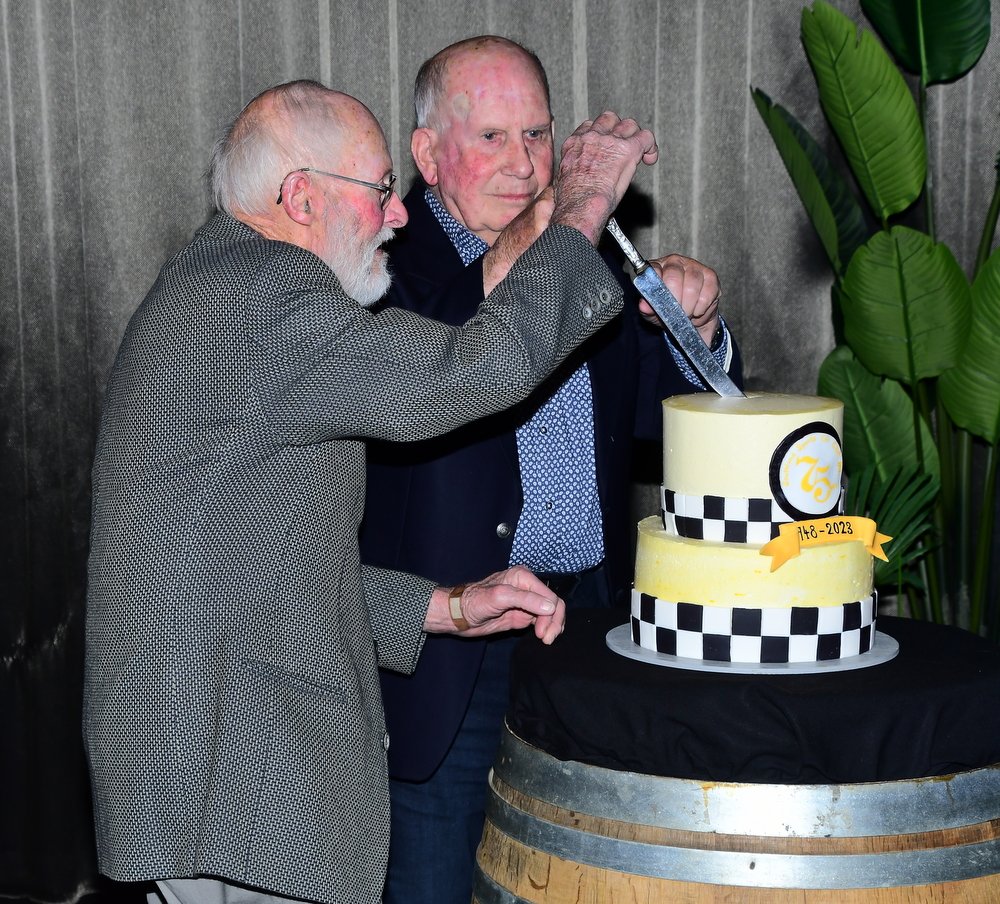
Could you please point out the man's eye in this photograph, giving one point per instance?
(534, 134)
(489, 136)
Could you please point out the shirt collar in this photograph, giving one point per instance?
(468, 245)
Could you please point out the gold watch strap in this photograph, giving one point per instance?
(455, 606)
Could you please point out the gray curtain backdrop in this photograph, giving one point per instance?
(108, 110)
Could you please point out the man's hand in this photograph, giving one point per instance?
(695, 286)
(516, 237)
(598, 162)
(504, 601)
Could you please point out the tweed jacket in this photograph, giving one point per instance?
(448, 507)
(232, 714)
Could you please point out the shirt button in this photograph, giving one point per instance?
(503, 529)
(548, 506)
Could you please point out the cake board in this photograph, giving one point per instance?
(884, 648)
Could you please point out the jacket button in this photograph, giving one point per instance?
(503, 530)
(385, 741)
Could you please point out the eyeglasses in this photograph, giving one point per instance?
(384, 189)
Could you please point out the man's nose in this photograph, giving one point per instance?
(519, 162)
(395, 212)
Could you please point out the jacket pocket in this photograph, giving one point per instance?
(292, 681)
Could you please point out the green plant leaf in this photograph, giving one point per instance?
(869, 107)
(832, 209)
(878, 419)
(971, 390)
(953, 34)
(906, 305)
(902, 506)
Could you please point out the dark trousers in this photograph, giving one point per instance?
(437, 824)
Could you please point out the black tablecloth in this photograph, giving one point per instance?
(933, 710)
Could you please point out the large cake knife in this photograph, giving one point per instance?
(669, 310)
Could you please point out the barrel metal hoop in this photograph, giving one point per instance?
(486, 891)
(819, 811)
(820, 871)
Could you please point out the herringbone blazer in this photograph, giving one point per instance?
(232, 715)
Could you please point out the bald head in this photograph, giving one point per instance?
(431, 89)
(297, 124)
(485, 149)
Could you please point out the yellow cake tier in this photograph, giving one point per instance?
(733, 574)
(724, 447)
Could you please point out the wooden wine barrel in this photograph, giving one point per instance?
(567, 833)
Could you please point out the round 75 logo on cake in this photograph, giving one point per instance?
(806, 471)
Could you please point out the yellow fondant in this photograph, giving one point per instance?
(733, 574)
(794, 537)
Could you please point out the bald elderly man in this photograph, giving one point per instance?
(544, 484)
(232, 718)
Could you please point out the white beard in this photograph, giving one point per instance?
(363, 274)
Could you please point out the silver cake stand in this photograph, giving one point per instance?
(883, 649)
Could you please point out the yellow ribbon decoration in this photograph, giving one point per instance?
(794, 535)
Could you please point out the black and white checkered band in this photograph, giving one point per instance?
(723, 519)
(733, 634)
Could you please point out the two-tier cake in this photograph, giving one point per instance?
(751, 559)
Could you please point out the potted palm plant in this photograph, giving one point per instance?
(917, 363)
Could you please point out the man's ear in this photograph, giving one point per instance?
(423, 147)
(297, 199)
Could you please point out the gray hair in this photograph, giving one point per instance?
(284, 127)
(428, 90)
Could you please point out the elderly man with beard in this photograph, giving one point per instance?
(544, 484)
(232, 716)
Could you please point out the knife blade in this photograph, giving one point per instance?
(669, 310)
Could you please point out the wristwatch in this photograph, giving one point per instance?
(455, 606)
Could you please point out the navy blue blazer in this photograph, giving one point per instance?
(447, 508)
